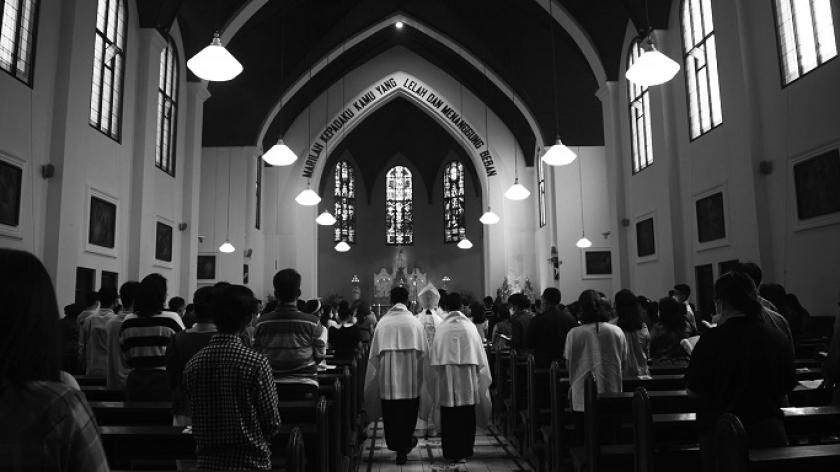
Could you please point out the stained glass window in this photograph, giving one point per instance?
(108, 64)
(17, 40)
(701, 72)
(399, 216)
(167, 110)
(345, 203)
(454, 220)
(806, 36)
(541, 183)
(640, 136)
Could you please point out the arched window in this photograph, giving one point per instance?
(167, 110)
(640, 140)
(108, 65)
(454, 219)
(541, 183)
(701, 72)
(806, 36)
(399, 217)
(17, 38)
(345, 203)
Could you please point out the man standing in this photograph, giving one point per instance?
(394, 377)
(93, 340)
(231, 392)
(294, 342)
(682, 293)
(117, 368)
(458, 380)
(520, 320)
(547, 330)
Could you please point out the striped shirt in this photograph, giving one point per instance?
(144, 339)
(47, 426)
(293, 342)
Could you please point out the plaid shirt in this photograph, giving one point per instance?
(234, 405)
(47, 426)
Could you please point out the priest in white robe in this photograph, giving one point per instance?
(429, 298)
(394, 379)
(458, 379)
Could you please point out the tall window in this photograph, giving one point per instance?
(167, 110)
(541, 183)
(701, 72)
(345, 203)
(258, 189)
(17, 38)
(640, 140)
(454, 220)
(108, 65)
(806, 36)
(399, 218)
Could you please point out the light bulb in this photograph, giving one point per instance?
(584, 243)
(489, 218)
(227, 247)
(214, 62)
(280, 154)
(652, 67)
(342, 247)
(308, 197)
(325, 219)
(559, 155)
(465, 244)
(399, 25)
(517, 191)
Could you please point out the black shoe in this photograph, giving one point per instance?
(402, 459)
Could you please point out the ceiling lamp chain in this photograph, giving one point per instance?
(582, 242)
(280, 154)
(227, 247)
(559, 154)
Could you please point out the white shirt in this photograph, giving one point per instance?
(600, 347)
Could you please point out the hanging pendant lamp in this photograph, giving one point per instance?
(465, 244)
(325, 219)
(516, 191)
(559, 154)
(308, 197)
(489, 217)
(227, 247)
(652, 67)
(215, 63)
(280, 154)
(582, 242)
(342, 246)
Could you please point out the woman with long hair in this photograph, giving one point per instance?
(365, 320)
(636, 332)
(345, 336)
(480, 321)
(744, 366)
(667, 333)
(47, 425)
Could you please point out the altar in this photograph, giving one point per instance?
(398, 276)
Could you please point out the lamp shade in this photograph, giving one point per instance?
(465, 244)
(517, 191)
(308, 197)
(227, 247)
(342, 247)
(489, 218)
(652, 68)
(214, 62)
(325, 219)
(280, 154)
(559, 155)
(583, 242)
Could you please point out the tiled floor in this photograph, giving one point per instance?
(493, 453)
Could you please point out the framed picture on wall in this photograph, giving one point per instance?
(816, 183)
(163, 242)
(711, 219)
(101, 223)
(597, 263)
(85, 283)
(206, 267)
(646, 238)
(11, 183)
(109, 279)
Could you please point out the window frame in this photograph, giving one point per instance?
(29, 81)
(447, 239)
(350, 202)
(642, 99)
(408, 222)
(687, 54)
(114, 131)
(782, 72)
(173, 119)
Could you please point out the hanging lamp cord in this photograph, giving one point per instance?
(554, 65)
(230, 158)
(580, 177)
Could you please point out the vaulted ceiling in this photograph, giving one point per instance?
(512, 37)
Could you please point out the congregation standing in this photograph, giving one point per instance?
(225, 369)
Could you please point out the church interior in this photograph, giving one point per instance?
(411, 121)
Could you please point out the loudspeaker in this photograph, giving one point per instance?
(766, 167)
(47, 171)
(182, 226)
(625, 222)
(248, 252)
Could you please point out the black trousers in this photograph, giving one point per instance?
(457, 431)
(399, 417)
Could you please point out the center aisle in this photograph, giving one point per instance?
(492, 454)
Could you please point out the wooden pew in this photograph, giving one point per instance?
(561, 433)
(91, 381)
(596, 453)
(132, 413)
(538, 413)
(500, 391)
(734, 454)
(131, 446)
(517, 401)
